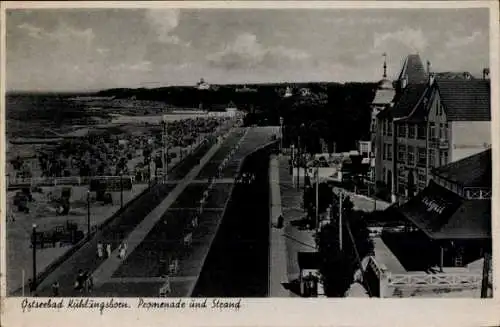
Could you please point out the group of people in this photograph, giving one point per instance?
(106, 249)
(246, 178)
(84, 281)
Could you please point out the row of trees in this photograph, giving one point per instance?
(339, 262)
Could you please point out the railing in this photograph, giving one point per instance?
(53, 181)
(477, 193)
(447, 280)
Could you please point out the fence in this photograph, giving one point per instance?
(14, 182)
(445, 280)
(384, 283)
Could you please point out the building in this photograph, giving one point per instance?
(454, 210)
(432, 124)
(202, 85)
(384, 97)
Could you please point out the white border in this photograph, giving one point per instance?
(281, 312)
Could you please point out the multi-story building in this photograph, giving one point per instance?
(384, 97)
(432, 124)
(412, 72)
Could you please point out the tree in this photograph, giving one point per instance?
(338, 267)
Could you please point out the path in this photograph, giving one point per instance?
(108, 267)
(297, 240)
(277, 258)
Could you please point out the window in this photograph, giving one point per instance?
(421, 131)
(443, 157)
(411, 131)
(389, 128)
(432, 158)
(401, 153)
(389, 151)
(411, 155)
(422, 157)
(432, 130)
(401, 130)
(401, 175)
(421, 179)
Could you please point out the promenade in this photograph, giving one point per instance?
(115, 231)
(287, 242)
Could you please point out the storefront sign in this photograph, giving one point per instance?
(433, 205)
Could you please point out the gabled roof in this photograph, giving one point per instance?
(383, 96)
(411, 98)
(473, 171)
(443, 214)
(413, 69)
(465, 100)
(453, 75)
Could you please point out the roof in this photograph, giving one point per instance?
(453, 75)
(308, 260)
(411, 96)
(465, 100)
(443, 214)
(384, 96)
(472, 171)
(413, 69)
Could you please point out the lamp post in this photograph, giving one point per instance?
(121, 189)
(163, 138)
(33, 245)
(317, 198)
(341, 195)
(88, 213)
(281, 134)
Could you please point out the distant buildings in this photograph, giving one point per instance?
(202, 85)
(435, 119)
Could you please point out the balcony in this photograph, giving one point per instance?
(440, 143)
(477, 193)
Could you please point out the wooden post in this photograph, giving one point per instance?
(441, 261)
(340, 220)
(486, 275)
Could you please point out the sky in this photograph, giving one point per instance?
(92, 49)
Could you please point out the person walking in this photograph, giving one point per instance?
(90, 283)
(55, 288)
(100, 250)
(121, 250)
(108, 249)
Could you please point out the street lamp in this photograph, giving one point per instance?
(121, 188)
(164, 141)
(88, 214)
(281, 134)
(33, 245)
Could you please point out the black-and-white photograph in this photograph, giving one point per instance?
(248, 153)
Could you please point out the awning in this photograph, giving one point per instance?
(443, 214)
(308, 260)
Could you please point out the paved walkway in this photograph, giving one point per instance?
(277, 257)
(296, 240)
(108, 267)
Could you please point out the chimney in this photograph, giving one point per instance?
(486, 73)
(404, 82)
(431, 79)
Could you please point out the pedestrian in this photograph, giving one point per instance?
(90, 283)
(121, 250)
(80, 279)
(55, 288)
(108, 249)
(280, 221)
(100, 251)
